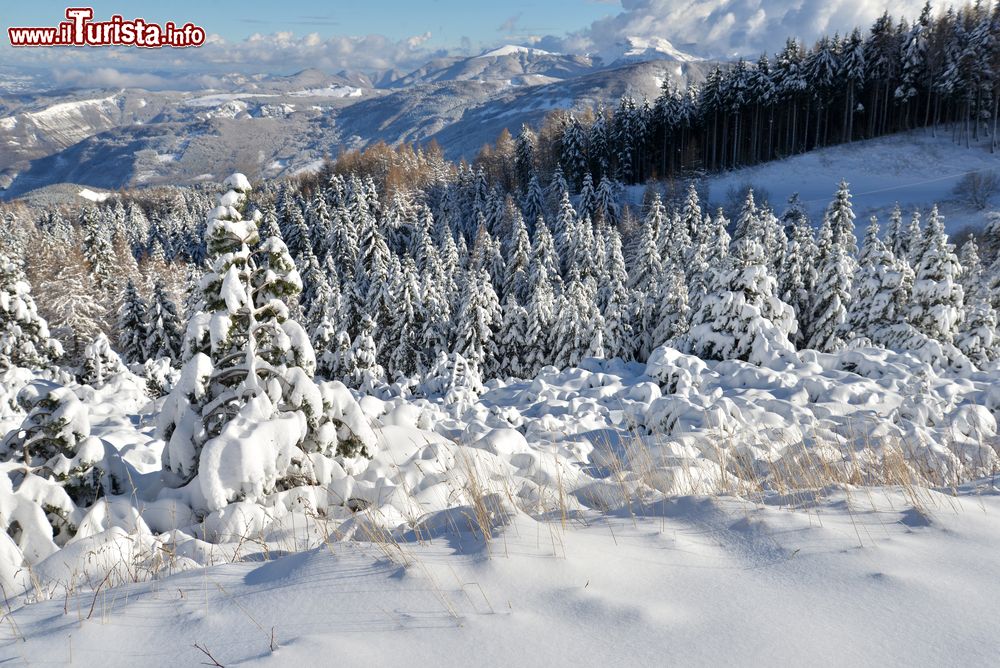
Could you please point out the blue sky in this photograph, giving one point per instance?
(448, 21)
(254, 36)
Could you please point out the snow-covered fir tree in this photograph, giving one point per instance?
(406, 326)
(937, 301)
(518, 262)
(363, 370)
(100, 363)
(841, 216)
(541, 310)
(577, 330)
(477, 321)
(163, 325)
(513, 337)
(249, 371)
(616, 301)
(68, 468)
(878, 301)
(743, 317)
(978, 337)
(647, 265)
(798, 275)
(829, 327)
(132, 327)
(673, 308)
(97, 248)
(24, 334)
(607, 208)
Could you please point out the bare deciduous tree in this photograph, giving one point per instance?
(976, 188)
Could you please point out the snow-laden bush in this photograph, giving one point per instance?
(675, 372)
(453, 380)
(909, 340)
(53, 460)
(100, 363)
(160, 375)
(975, 189)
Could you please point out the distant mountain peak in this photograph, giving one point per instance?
(652, 48)
(512, 49)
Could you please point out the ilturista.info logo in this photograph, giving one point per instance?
(80, 29)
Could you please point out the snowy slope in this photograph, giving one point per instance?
(854, 579)
(915, 169)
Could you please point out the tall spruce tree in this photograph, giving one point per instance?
(937, 307)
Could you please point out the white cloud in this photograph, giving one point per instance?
(418, 40)
(510, 24)
(108, 77)
(278, 53)
(725, 28)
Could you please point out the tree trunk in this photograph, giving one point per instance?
(996, 107)
(805, 134)
(845, 135)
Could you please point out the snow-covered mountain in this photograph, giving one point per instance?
(515, 65)
(512, 49)
(279, 125)
(639, 49)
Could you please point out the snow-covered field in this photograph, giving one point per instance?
(915, 169)
(864, 578)
(838, 511)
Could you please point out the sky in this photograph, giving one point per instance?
(448, 21)
(254, 36)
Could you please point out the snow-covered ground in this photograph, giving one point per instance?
(915, 169)
(681, 512)
(332, 90)
(93, 196)
(862, 578)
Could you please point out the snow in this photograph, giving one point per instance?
(220, 99)
(310, 167)
(332, 90)
(532, 80)
(915, 169)
(840, 580)
(648, 48)
(510, 49)
(533, 520)
(70, 112)
(8, 123)
(786, 510)
(87, 193)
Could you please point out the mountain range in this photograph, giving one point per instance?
(274, 126)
